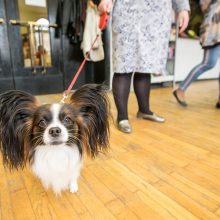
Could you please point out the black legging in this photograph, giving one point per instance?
(121, 89)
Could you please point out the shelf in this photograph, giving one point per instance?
(159, 79)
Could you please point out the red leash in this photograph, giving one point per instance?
(102, 25)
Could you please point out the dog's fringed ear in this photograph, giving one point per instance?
(16, 109)
(92, 103)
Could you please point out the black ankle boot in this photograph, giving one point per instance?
(218, 105)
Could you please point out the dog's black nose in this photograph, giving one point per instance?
(55, 131)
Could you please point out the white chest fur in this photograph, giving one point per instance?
(57, 167)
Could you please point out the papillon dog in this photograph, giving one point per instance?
(54, 137)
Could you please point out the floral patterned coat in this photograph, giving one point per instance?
(140, 34)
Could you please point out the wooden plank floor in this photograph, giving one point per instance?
(160, 171)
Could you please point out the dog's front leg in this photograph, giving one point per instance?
(74, 179)
(73, 185)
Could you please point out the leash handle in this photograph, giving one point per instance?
(103, 20)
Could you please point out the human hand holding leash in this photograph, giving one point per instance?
(105, 6)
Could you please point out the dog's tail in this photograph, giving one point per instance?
(92, 102)
(16, 108)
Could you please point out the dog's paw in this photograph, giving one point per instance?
(73, 187)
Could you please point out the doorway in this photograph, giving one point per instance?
(34, 51)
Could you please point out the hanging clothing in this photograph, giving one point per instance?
(71, 16)
(140, 34)
(91, 31)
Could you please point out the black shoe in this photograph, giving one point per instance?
(218, 105)
(183, 103)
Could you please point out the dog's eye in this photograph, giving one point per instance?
(42, 124)
(67, 120)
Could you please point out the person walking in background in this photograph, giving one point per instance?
(218, 103)
(210, 42)
(140, 36)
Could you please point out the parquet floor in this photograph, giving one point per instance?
(161, 171)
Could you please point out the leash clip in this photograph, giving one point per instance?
(64, 98)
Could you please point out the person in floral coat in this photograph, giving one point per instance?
(140, 36)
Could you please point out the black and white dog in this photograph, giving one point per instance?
(54, 137)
